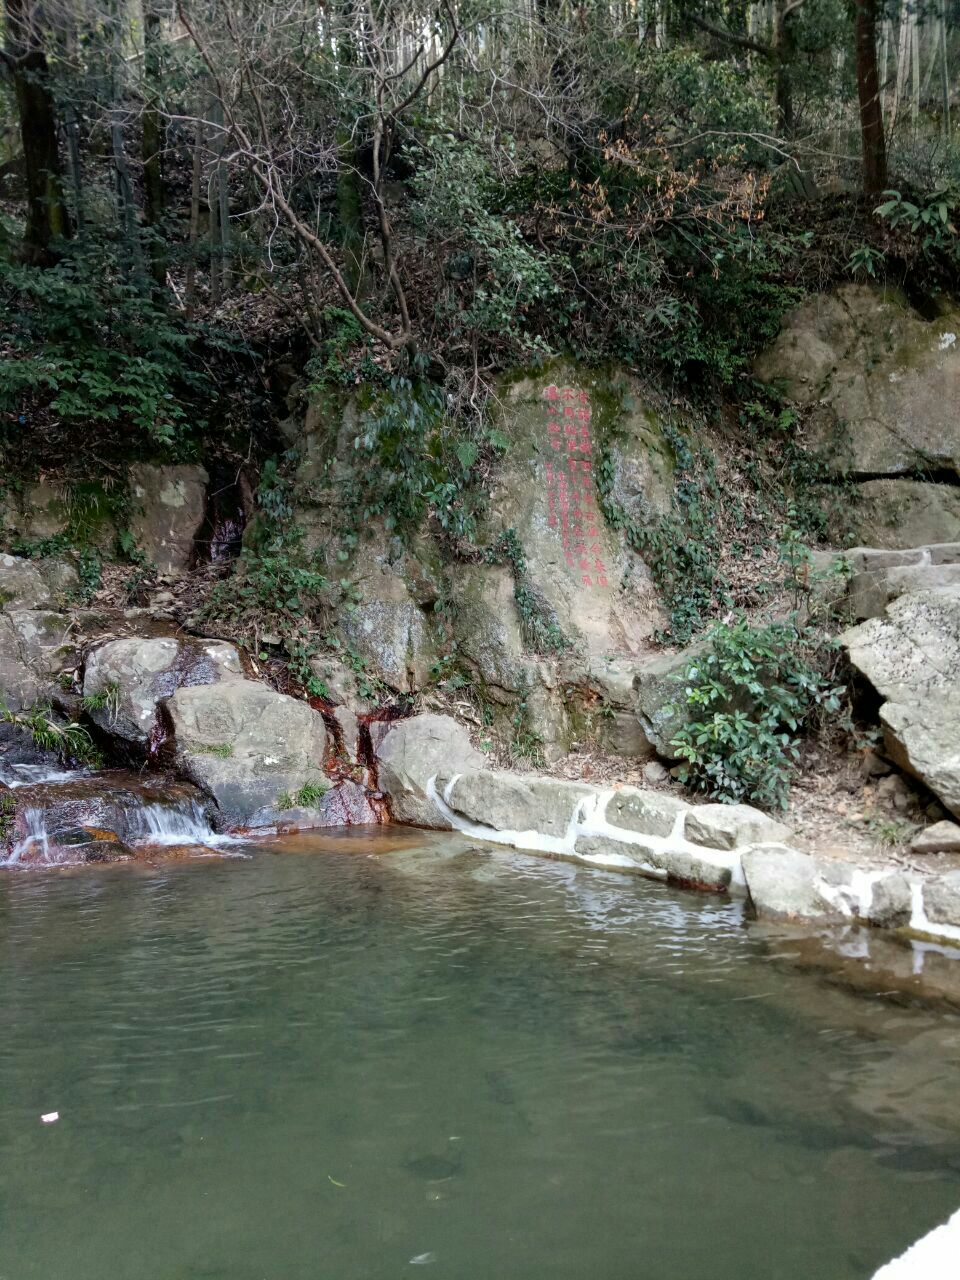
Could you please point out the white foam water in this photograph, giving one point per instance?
(35, 841)
(30, 775)
(182, 822)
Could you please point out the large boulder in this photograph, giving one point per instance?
(35, 648)
(412, 754)
(245, 744)
(583, 578)
(392, 627)
(34, 584)
(125, 680)
(514, 802)
(892, 377)
(881, 384)
(911, 656)
(906, 513)
(169, 504)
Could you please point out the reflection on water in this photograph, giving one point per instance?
(321, 1064)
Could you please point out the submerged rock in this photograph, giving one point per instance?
(245, 744)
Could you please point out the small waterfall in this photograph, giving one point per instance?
(181, 821)
(106, 817)
(31, 775)
(35, 841)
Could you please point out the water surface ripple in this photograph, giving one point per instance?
(322, 1064)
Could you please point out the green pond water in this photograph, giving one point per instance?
(341, 1060)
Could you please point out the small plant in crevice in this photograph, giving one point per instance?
(71, 741)
(748, 697)
(106, 698)
(525, 743)
(307, 797)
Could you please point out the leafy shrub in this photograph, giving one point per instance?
(414, 460)
(752, 691)
(88, 346)
(70, 741)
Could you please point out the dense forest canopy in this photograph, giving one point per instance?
(469, 183)
(303, 248)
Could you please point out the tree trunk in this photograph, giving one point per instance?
(944, 70)
(152, 141)
(47, 216)
(194, 232)
(784, 51)
(868, 91)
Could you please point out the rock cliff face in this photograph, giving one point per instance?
(567, 628)
(881, 386)
(549, 623)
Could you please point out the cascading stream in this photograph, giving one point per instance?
(63, 818)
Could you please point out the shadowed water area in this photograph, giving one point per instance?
(343, 1059)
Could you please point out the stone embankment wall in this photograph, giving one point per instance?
(431, 773)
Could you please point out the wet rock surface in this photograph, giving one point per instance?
(98, 817)
(130, 677)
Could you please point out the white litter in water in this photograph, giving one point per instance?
(51, 1117)
(934, 1257)
(422, 1259)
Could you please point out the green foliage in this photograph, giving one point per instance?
(413, 460)
(90, 572)
(106, 698)
(308, 796)
(931, 218)
(866, 261)
(90, 347)
(506, 279)
(538, 622)
(750, 694)
(335, 363)
(71, 741)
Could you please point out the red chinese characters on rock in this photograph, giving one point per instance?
(571, 504)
